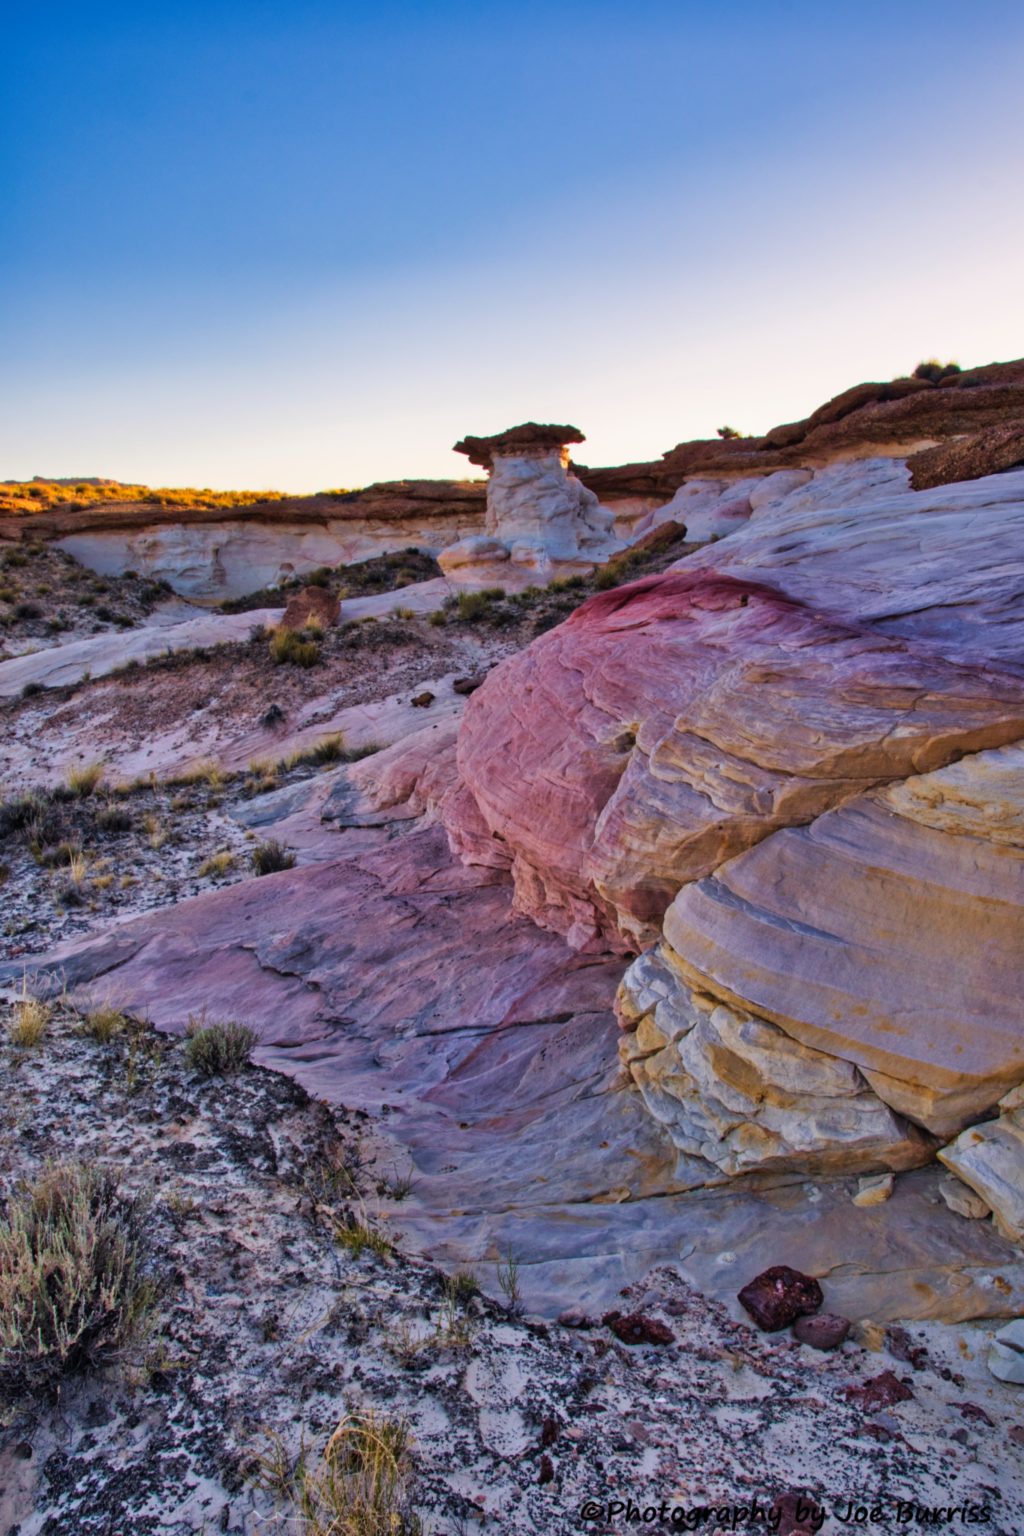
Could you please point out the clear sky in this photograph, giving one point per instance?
(309, 243)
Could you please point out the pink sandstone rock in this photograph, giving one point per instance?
(673, 722)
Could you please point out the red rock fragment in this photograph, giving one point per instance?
(778, 1296)
(466, 684)
(972, 1412)
(636, 1328)
(899, 1344)
(878, 1392)
(798, 1514)
(823, 1330)
(575, 1317)
(313, 605)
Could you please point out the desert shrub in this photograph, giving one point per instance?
(82, 781)
(269, 857)
(19, 813)
(215, 1049)
(933, 370)
(437, 619)
(27, 610)
(472, 605)
(729, 433)
(288, 648)
(73, 1284)
(114, 818)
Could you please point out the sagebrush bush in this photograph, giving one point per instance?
(473, 605)
(74, 1289)
(213, 1050)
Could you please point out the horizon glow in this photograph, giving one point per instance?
(309, 245)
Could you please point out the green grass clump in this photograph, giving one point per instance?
(473, 605)
(73, 1285)
(213, 1050)
(288, 648)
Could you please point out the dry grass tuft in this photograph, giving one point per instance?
(105, 1024)
(360, 1487)
(82, 781)
(217, 864)
(270, 857)
(29, 1022)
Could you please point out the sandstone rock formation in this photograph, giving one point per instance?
(209, 554)
(784, 749)
(990, 1159)
(896, 418)
(314, 606)
(541, 520)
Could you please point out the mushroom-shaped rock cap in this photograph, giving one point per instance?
(530, 434)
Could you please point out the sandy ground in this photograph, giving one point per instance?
(268, 1330)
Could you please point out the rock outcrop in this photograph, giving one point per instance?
(210, 554)
(785, 748)
(541, 520)
(316, 606)
(990, 1159)
(898, 417)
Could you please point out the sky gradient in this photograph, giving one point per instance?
(305, 245)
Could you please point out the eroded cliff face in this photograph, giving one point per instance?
(788, 769)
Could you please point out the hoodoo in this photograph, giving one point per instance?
(541, 520)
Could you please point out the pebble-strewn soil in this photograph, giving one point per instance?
(47, 598)
(269, 1329)
(79, 863)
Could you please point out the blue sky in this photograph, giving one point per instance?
(305, 244)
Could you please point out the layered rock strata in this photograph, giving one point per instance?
(778, 763)
(209, 554)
